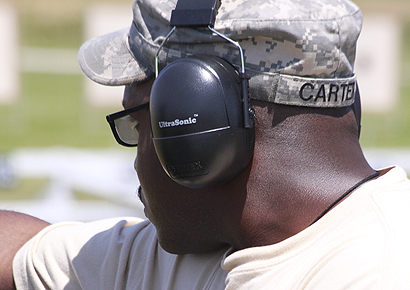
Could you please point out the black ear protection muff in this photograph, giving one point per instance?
(201, 120)
(197, 121)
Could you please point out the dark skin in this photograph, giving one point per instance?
(304, 159)
(16, 229)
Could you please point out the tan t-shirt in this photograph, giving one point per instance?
(363, 243)
(111, 254)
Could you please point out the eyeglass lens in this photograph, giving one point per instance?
(126, 130)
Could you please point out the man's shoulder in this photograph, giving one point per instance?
(111, 254)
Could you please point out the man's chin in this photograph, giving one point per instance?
(183, 247)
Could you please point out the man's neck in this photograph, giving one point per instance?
(292, 183)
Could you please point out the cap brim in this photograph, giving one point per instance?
(107, 60)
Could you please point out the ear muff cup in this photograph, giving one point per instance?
(197, 121)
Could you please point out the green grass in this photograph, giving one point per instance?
(392, 129)
(37, 32)
(33, 188)
(80, 195)
(52, 112)
(28, 188)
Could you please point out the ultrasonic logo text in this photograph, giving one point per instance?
(178, 122)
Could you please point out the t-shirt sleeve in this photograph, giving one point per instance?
(50, 260)
(111, 254)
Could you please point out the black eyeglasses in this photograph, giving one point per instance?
(123, 125)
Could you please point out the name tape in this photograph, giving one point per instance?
(315, 92)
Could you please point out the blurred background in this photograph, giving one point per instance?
(58, 160)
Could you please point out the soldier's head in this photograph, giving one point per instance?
(295, 54)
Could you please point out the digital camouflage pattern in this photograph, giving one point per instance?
(287, 44)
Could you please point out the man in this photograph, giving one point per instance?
(306, 212)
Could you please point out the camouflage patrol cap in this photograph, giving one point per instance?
(297, 52)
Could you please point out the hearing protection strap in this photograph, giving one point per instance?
(195, 13)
